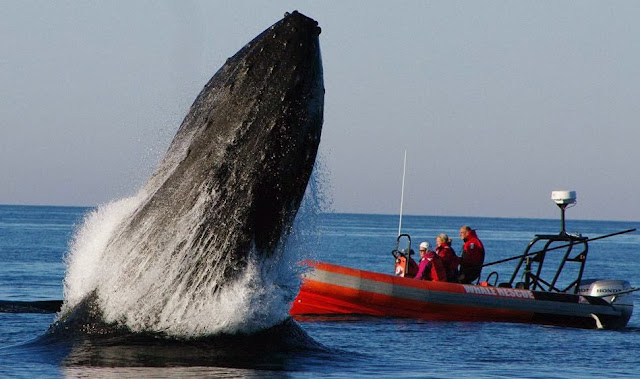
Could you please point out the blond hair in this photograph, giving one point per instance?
(444, 238)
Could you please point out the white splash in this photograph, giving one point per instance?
(158, 292)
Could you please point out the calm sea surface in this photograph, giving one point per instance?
(34, 240)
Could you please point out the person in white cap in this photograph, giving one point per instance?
(430, 266)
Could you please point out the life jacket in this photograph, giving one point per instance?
(450, 261)
(412, 267)
(472, 251)
(431, 268)
(438, 272)
(472, 258)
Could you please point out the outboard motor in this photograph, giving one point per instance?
(618, 293)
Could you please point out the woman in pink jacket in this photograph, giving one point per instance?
(430, 266)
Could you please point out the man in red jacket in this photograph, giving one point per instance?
(472, 255)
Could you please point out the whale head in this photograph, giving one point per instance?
(225, 194)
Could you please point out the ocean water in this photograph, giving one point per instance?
(34, 241)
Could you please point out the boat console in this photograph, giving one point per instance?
(405, 265)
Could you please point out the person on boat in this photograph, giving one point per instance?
(450, 260)
(430, 266)
(412, 268)
(472, 256)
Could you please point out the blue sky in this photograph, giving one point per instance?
(497, 103)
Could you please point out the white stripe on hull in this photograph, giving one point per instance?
(520, 300)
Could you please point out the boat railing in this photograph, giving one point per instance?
(534, 263)
(530, 264)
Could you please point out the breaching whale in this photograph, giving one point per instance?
(220, 204)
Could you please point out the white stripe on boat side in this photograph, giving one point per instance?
(463, 299)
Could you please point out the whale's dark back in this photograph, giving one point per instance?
(228, 189)
(253, 134)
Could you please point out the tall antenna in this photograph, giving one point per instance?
(404, 170)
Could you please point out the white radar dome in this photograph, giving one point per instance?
(563, 197)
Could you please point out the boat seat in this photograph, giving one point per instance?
(521, 286)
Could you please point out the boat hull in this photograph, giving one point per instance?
(330, 289)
